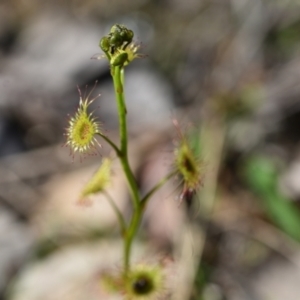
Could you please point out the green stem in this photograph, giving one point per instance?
(123, 155)
(118, 79)
(156, 187)
(131, 232)
(137, 216)
(122, 76)
(122, 112)
(111, 143)
(118, 213)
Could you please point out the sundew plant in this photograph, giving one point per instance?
(134, 281)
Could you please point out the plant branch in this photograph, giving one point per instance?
(156, 187)
(111, 143)
(118, 213)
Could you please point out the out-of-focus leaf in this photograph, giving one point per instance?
(262, 176)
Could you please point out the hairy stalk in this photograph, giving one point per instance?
(213, 138)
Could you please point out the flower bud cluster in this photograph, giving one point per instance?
(119, 37)
(118, 46)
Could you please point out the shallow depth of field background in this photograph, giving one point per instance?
(239, 57)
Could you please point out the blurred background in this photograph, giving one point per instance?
(228, 68)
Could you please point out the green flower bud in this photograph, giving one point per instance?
(119, 59)
(116, 28)
(120, 36)
(127, 36)
(116, 38)
(118, 46)
(104, 44)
